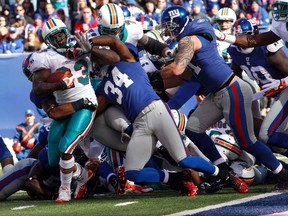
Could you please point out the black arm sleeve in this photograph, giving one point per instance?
(154, 47)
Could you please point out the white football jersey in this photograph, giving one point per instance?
(280, 29)
(79, 68)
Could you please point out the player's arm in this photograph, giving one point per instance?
(186, 48)
(40, 85)
(279, 60)
(153, 46)
(262, 39)
(115, 44)
(104, 56)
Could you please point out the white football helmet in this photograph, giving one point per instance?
(111, 20)
(244, 171)
(225, 14)
(226, 143)
(50, 29)
(180, 120)
(280, 10)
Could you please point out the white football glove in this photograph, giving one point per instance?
(84, 43)
(220, 35)
(224, 37)
(274, 87)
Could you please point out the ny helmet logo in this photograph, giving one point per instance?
(174, 13)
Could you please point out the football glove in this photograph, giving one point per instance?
(224, 37)
(83, 42)
(67, 82)
(274, 87)
(30, 143)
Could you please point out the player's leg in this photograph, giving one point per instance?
(14, 180)
(78, 127)
(273, 130)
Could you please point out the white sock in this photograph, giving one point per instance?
(66, 171)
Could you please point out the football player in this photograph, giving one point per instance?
(148, 114)
(263, 64)
(229, 96)
(65, 134)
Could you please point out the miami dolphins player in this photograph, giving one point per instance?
(66, 133)
(122, 86)
(263, 64)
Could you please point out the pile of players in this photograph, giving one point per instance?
(111, 85)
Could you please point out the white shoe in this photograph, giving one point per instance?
(64, 194)
(81, 183)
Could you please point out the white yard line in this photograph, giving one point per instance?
(234, 202)
(23, 207)
(126, 203)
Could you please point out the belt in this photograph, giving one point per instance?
(226, 83)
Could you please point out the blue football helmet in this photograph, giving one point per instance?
(173, 21)
(145, 21)
(26, 67)
(280, 10)
(126, 12)
(247, 27)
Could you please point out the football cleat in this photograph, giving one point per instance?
(217, 185)
(237, 184)
(81, 183)
(64, 194)
(191, 188)
(131, 187)
(282, 180)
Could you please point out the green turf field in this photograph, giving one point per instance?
(158, 202)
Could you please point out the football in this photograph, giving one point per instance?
(58, 76)
(244, 171)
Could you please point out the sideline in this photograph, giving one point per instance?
(230, 203)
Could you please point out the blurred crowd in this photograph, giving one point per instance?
(21, 21)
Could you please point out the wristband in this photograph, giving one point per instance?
(230, 39)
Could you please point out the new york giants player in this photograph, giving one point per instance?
(278, 30)
(264, 64)
(127, 86)
(66, 133)
(229, 96)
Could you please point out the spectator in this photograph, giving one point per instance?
(38, 21)
(2, 21)
(14, 5)
(175, 3)
(28, 29)
(41, 4)
(75, 12)
(100, 4)
(20, 25)
(196, 11)
(29, 8)
(26, 135)
(241, 14)
(13, 44)
(49, 12)
(32, 43)
(160, 6)
(62, 16)
(61, 4)
(88, 20)
(234, 5)
(6, 12)
(4, 34)
(149, 10)
(134, 8)
(259, 15)
(212, 10)
(21, 12)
